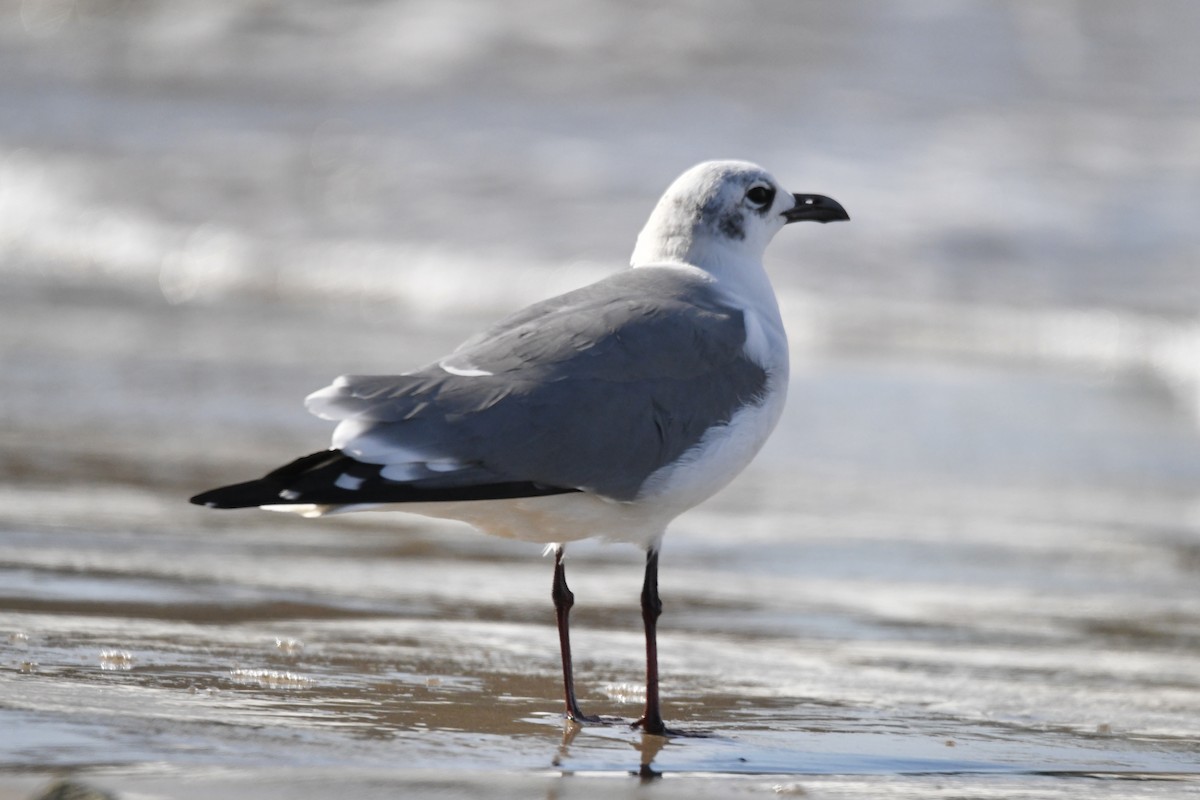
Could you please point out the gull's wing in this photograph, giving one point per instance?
(593, 390)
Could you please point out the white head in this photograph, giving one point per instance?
(722, 210)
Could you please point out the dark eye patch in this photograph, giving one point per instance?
(761, 195)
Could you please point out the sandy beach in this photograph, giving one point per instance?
(965, 566)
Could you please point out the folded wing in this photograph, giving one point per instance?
(594, 390)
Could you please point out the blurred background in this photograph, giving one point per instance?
(208, 210)
(1023, 180)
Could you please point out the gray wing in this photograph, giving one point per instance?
(595, 389)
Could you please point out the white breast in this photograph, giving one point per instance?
(719, 456)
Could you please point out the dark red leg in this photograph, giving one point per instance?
(651, 721)
(563, 600)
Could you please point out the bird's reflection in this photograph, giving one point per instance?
(571, 729)
(649, 745)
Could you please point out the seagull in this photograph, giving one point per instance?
(603, 412)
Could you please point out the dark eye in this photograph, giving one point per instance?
(760, 195)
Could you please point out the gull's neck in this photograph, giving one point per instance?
(736, 267)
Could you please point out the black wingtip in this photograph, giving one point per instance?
(268, 489)
(239, 495)
(314, 479)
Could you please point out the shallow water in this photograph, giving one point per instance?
(966, 564)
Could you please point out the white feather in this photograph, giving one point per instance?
(464, 372)
(349, 482)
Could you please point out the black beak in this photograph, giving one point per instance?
(815, 208)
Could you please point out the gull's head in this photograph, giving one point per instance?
(724, 210)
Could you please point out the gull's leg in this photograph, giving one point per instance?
(651, 721)
(563, 600)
